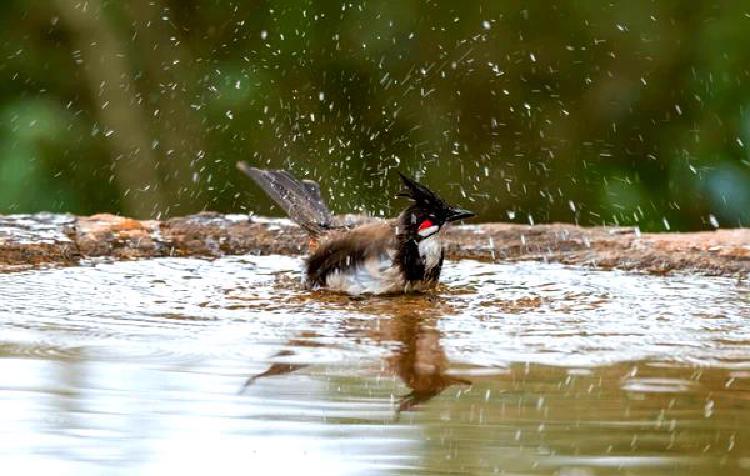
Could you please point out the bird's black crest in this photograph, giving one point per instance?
(421, 194)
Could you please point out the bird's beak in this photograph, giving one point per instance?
(458, 214)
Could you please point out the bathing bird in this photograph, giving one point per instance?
(400, 255)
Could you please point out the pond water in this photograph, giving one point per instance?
(230, 366)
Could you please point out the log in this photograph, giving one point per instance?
(31, 241)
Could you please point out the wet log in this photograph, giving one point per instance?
(29, 241)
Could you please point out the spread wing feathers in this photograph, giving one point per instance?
(313, 188)
(300, 199)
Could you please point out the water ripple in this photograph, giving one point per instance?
(522, 368)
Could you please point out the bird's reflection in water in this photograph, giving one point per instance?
(419, 359)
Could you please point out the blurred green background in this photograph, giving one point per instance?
(620, 113)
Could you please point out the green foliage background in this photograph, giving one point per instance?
(594, 112)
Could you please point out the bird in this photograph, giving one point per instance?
(395, 256)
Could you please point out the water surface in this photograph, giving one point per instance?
(228, 365)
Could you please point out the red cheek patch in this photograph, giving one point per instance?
(425, 224)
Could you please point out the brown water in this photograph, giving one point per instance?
(228, 366)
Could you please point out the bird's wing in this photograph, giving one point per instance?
(301, 200)
(344, 250)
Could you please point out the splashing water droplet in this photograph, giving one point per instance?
(714, 222)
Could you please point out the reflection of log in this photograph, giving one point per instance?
(30, 240)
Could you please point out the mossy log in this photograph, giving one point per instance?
(29, 241)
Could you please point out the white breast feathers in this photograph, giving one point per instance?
(430, 250)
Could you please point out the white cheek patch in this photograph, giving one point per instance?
(424, 232)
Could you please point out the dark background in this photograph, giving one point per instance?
(590, 112)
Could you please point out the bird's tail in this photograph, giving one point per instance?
(300, 199)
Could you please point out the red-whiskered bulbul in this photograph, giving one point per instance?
(400, 255)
